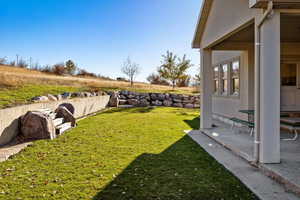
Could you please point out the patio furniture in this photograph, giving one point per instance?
(292, 124)
(248, 124)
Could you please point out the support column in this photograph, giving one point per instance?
(270, 90)
(206, 89)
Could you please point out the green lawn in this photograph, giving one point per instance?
(121, 154)
(10, 96)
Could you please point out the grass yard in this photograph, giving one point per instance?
(11, 96)
(121, 154)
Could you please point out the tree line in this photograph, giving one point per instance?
(62, 68)
(171, 72)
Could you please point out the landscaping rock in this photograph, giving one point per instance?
(59, 97)
(51, 97)
(122, 102)
(143, 103)
(157, 99)
(114, 100)
(189, 105)
(167, 103)
(179, 105)
(69, 106)
(177, 100)
(196, 105)
(160, 97)
(157, 103)
(63, 112)
(36, 125)
(133, 102)
(40, 99)
(66, 95)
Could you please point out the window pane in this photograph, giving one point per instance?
(235, 83)
(225, 86)
(235, 69)
(216, 72)
(216, 85)
(224, 71)
(288, 74)
(236, 86)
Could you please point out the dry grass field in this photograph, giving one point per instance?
(14, 77)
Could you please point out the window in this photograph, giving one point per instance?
(235, 78)
(216, 79)
(288, 74)
(224, 78)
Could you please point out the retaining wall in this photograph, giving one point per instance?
(9, 116)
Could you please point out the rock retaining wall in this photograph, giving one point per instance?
(156, 99)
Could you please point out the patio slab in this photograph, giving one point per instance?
(241, 143)
(264, 187)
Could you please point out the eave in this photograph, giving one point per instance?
(278, 4)
(206, 5)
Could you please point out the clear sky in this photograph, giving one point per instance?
(99, 34)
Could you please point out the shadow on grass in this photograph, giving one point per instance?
(194, 123)
(182, 171)
(130, 110)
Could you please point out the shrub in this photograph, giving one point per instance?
(58, 69)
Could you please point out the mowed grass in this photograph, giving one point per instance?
(11, 96)
(121, 154)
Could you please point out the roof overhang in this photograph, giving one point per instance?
(207, 4)
(205, 8)
(283, 4)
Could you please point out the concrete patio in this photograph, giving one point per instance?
(239, 141)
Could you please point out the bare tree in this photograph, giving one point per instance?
(131, 70)
(3, 61)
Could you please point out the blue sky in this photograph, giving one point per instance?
(99, 34)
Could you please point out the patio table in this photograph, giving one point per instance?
(250, 114)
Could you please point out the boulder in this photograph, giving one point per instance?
(87, 94)
(40, 99)
(101, 93)
(59, 97)
(143, 103)
(75, 94)
(114, 99)
(131, 96)
(66, 95)
(177, 100)
(196, 105)
(35, 125)
(161, 97)
(189, 105)
(157, 103)
(122, 102)
(133, 102)
(187, 101)
(123, 97)
(179, 105)
(63, 112)
(153, 96)
(124, 92)
(167, 103)
(69, 106)
(51, 97)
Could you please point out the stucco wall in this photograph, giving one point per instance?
(226, 16)
(9, 116)
(229, 106)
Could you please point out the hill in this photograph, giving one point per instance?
(18, 85)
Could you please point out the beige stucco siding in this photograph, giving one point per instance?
(226, 16)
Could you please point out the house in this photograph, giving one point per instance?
(250, 60)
